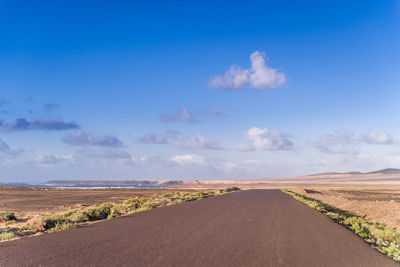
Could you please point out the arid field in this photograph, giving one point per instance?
(30, 201)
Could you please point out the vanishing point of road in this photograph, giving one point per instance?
(247, 228)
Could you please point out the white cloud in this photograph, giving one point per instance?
(265, 139)
(377, 138)
(196, 142)
(188, 159)
(259, 76)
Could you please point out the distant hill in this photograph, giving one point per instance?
(386, 171)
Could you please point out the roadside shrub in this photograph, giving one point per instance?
(134, 202)
(62, 227)
(99, 213)
(7, 216)
(151, 205)
(233, 189)
(119, 208)
(6, 236)
(78, 217)
(359, 226)
(168, 194)
(392, 251)
(52, 220)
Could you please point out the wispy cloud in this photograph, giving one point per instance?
(339, 142)
(5, 149)
(81, 138)
(163, 138)
(23, 124)
(103, 153)
(188, 159)
(197, 142)
(51, 159)
(345, 142)
(265, 139)
(153, 138)
(377, 138)
(183, 115)
(259, 76)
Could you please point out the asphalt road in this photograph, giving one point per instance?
(248, 228)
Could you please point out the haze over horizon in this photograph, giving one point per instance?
(204, 90)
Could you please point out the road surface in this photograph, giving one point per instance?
(248, 228)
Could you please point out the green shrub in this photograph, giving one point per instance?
(52, 220)
(78, 217)
(7, 216)
(62, 227)
(6, 236)
(168, 194)
(99, 213)
(151, 205)
(359, 226)
(134, 202)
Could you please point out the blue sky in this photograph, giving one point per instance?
(145, 90)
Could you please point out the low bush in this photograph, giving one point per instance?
(62, 227)
(134, 202)
(6, 236)
(7, 216)
(99, 213)
(171, 194)
(52, 220)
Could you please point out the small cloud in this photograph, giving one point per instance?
(259, 76)
(197, 142)
(265, 139)
(188, 159)
(184, 115)
(103, 153)
(164, 138)
(23, 124)
(50, 106)
(377, 138)
(339, 142)
(81, 138)
(153, 138)
(48, 159)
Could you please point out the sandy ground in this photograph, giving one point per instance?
(379, 203)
